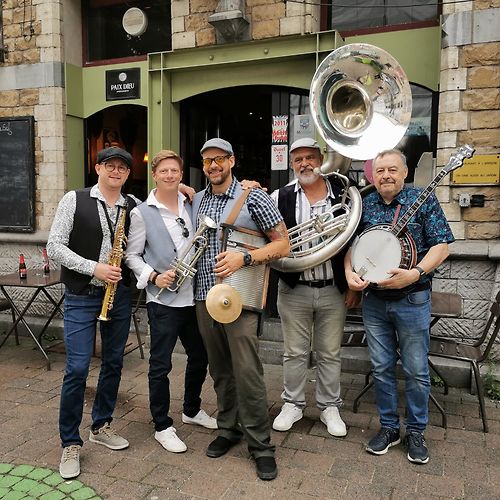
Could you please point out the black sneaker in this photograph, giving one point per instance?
(219, 446)
(385, 438)
(266, 468)
(417, 449)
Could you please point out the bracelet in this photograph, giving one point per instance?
(421, 272)
(154, 277)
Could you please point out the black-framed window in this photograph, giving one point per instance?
(105, 37)
(366, 14)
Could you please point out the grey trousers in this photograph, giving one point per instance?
(235, 366)
(311, 316)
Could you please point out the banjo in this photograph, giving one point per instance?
(385, 246)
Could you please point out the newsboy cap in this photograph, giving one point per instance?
(218, 143)
(305, 142)
(114, 152)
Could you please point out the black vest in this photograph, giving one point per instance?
(287, 198)
(86, 238)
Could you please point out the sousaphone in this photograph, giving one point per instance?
(360, 101)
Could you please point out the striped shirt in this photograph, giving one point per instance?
(304, 212)
(262, 210)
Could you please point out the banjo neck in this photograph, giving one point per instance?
(454, 162)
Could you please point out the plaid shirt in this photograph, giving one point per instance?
(263, 211)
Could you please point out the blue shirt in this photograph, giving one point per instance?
(428, 226)
(263, 211)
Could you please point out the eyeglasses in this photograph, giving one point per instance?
(217, 159)
(182, 223)
(110, 167)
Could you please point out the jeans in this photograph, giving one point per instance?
(311, 316)
(80, 321)
(402, 324)
(167, 324)
(235, 366)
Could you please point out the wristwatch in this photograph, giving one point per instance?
(247, 258)
(420, 271)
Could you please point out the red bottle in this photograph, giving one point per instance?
(46, 265)
(23, 272)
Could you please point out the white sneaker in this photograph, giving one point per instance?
(289, 414)
(169, 440)
(201, 418)
(331, 418)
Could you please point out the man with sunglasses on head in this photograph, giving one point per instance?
(160, 230)
(80, 240)
(233, 348)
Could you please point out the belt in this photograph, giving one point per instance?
(316, 284)
(88, 290)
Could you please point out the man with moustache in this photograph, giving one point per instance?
(311, 304)
(160, 230)
(397, 311)
(232, 348)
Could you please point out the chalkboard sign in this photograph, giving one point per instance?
(17, 174)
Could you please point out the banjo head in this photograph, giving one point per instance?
(375, 252)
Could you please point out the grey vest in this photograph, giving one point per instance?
(244, 218)
(159, 249)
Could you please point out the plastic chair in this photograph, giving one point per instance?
(5, 305)
(474, 351)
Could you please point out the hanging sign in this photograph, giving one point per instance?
(280, 129)
(279, 157)
(123, 84)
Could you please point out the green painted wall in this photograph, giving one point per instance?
(75, 178)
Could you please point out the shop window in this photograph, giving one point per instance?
(106, 37)
(365, 14)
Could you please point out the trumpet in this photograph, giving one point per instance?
(184, 266)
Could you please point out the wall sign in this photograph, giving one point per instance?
(480, 169)
(123, 84)
(279, 157)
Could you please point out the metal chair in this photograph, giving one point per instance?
(5, 305)
(139, 304)
(474, 351)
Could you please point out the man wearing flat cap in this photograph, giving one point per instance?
(232, 348)
(80, 240)
(311, 304)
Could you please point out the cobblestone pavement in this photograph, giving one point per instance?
(464, 462)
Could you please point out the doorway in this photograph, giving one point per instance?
(124, 126)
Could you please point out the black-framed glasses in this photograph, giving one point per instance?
(182, 223)
(110, 167)
(217, 159)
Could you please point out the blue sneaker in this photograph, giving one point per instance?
(417, 449)
(383, 440)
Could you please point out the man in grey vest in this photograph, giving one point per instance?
(81, 239)
(160, 230)
(233, 348)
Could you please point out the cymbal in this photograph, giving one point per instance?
(224, 303)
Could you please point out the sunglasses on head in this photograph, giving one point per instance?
(182, 223)
(219, 160)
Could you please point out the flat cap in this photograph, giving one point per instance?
(305, 142)
(114, 152)
(218, 143)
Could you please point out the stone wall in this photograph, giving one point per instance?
(267, 19)
(31, 84)
(469, 109)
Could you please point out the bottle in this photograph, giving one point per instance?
(46, 265)
(23, 272)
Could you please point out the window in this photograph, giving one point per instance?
(106, 39)
(363, 14)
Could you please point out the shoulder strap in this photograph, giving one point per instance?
(237, 207)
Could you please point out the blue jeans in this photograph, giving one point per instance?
(80, 321)
(167, 324)
(402, 324)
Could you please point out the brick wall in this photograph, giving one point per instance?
(33, 42)
(267, 18)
